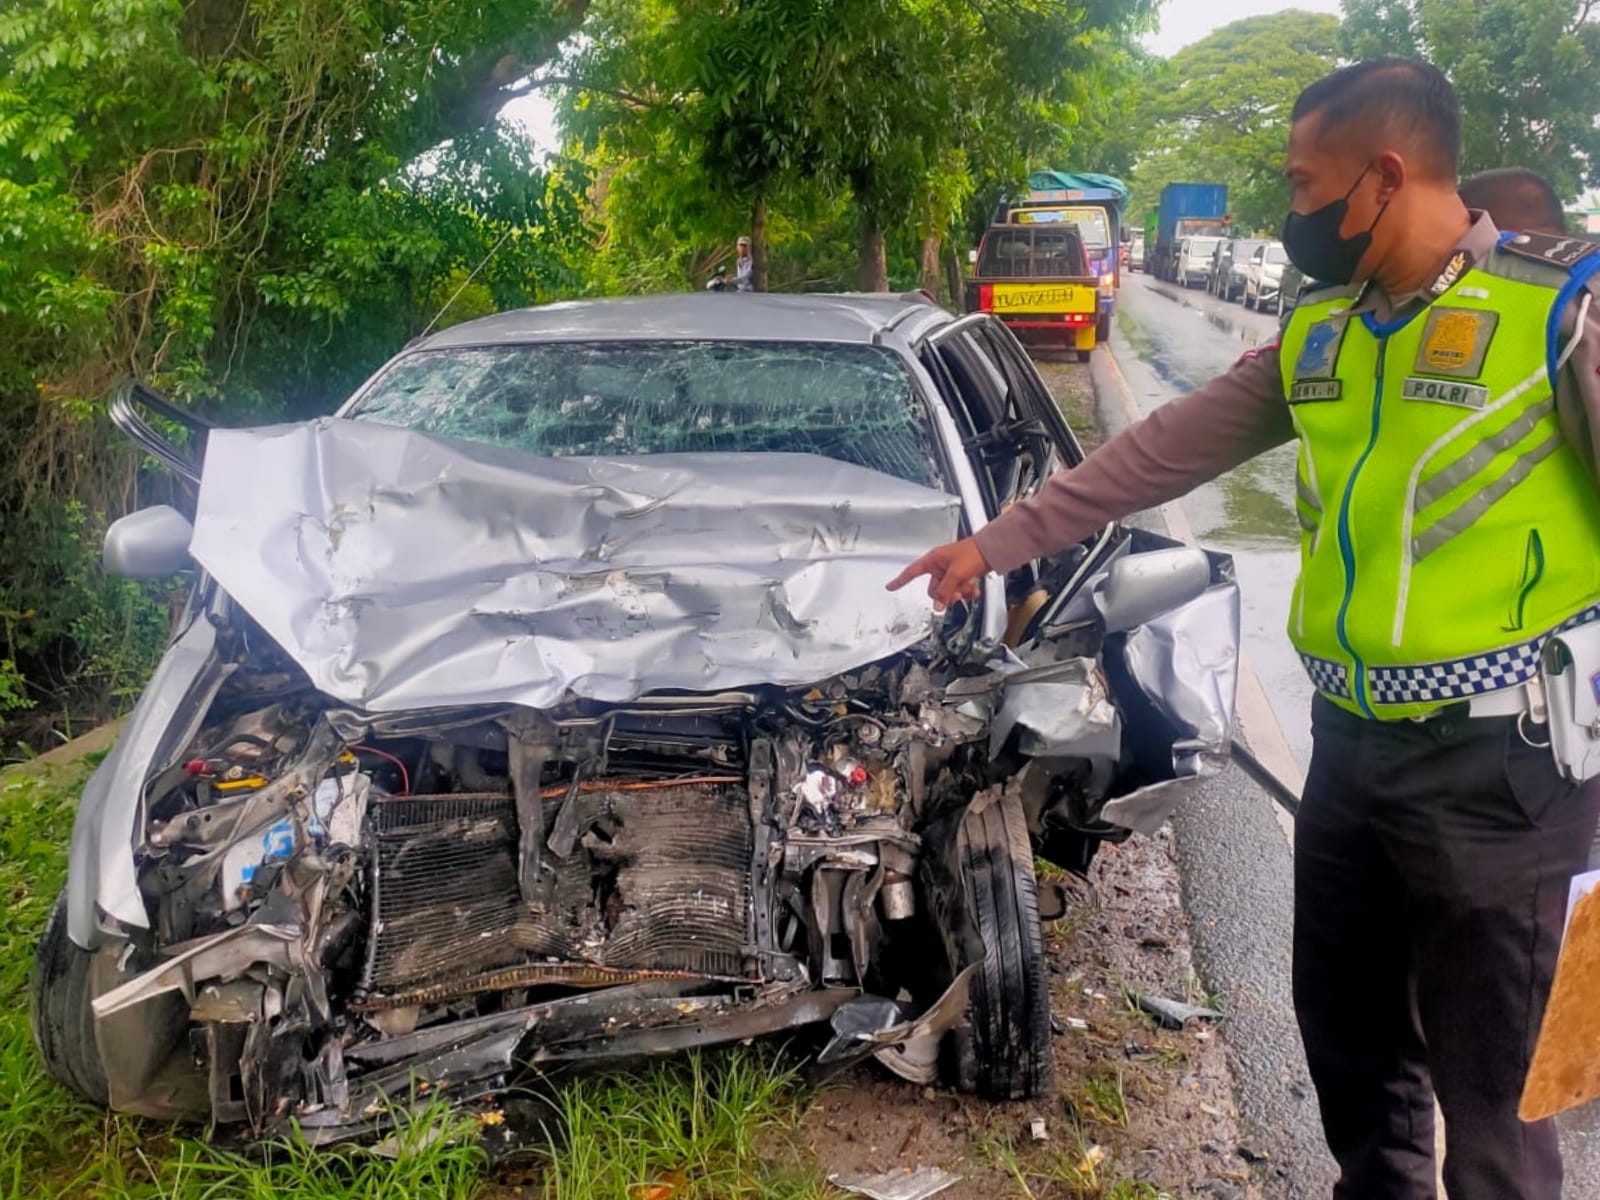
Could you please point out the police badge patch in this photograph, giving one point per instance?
(1455, 342)
(1318, 359)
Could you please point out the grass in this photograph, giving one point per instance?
(699, 1127)
(1078, 1168)
(699, 1130)
(1101, 1097)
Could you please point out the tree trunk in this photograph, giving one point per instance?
(957, 279)
(930, 265)
(758, 243)
(872, 271)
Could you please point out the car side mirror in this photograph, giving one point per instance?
(1140, 587)
(152, 543)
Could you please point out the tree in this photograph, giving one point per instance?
(1218, 111)
(1524, 71)
(251, 203)
(904, 105)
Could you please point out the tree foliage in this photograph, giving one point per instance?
(1218, 111)
(1524, 70)
(252, 202)
(902, 108)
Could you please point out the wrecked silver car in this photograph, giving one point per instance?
(545, 706)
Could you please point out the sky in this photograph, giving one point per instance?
(1185, 21)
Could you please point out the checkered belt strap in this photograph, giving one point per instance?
(1439, 682)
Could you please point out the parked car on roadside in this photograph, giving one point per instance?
(1192, 267)
(1291, 282)
(1229, 266)
(1263, 275)
(1136, 259)
(544, 707)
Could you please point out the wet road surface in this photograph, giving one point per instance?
(1168, 341)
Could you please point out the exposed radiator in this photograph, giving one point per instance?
(660, 880)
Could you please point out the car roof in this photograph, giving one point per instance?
(862, 318)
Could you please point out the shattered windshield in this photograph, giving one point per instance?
(557, 399)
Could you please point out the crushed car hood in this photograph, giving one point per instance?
(403, 571)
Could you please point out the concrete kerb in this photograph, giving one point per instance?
(98, 739)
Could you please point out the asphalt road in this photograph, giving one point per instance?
(1168, 341)
(1233, 847)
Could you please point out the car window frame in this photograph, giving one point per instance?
(967, 379)
(1026, 398)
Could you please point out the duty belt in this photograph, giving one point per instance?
(1442, 682)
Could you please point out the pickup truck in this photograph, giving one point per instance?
(1094, 204)
(1037, 279)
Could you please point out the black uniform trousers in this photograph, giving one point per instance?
(1432, 863)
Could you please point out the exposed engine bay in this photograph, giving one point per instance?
(347, 905)
(464, 764)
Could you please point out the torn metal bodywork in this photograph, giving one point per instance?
(402, 572)
(467, 763)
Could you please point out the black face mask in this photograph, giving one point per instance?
(1314, 244)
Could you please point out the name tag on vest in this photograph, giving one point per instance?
(1439, 391)
(1314, 389)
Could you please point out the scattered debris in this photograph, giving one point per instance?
(1077, 1023)
(667, 1187)
(904, 1184)
(1251, 1154)
(1175, 1014)
(1037, 1130)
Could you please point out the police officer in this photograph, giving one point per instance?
(1451, 522)
(1518, 199)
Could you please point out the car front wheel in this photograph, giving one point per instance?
(63, 1023)
(1002, 1051)
(143, 1047)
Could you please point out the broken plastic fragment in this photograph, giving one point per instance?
(1175, 1014)
(667, 1186)
(897, 1185)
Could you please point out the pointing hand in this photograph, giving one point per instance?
(953, 572)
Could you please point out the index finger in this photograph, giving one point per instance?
(923, 566)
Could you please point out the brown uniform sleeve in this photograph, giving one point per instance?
(1578, 386)
(1180, 445)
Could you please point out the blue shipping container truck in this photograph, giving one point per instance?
(1187, 210)
(1093, 203)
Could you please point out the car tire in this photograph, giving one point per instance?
(1002, 1050)
(1083, 356)
(63, 1023)
(1102, 329)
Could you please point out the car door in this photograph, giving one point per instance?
(974, 391)
(1018, 439)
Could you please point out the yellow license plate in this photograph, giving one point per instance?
(1044, 297)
